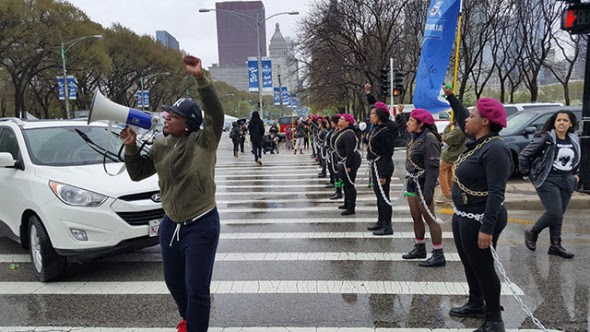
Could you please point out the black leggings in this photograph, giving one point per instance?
(555, 194)
(257, 150)
(349, 189)
(236, 147)
(385, 211)
(479, 263)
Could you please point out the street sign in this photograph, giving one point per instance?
(72, 91)
(143, 98)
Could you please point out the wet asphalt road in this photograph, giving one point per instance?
(278, 227)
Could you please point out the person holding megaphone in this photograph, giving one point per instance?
(185, 163)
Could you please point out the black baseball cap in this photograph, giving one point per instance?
(187, 108)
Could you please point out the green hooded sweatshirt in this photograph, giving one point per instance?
(186, 165)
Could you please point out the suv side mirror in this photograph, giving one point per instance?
(530, 130)
(6, 160)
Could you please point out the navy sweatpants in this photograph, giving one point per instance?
(188, 265)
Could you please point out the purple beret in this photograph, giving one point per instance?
(382, 106)
(348, 117)
(492, 110)
(422, 115)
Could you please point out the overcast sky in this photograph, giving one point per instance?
(196, 32)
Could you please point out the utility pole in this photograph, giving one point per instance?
(280, 93)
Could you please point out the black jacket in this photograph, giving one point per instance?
(381, 139)
(256, 129)
(536, 160)
(488, 169)
(346, 146)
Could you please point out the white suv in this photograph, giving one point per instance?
(57, 200)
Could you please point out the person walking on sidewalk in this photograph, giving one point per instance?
(454, 140)
(479, 184)
(234, 135)
(185, 163)
(551, 160)
(243, 133)
(422, 163)
(349, 161)
(256, 129)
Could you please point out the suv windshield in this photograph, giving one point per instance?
(516, 122)
(69, 146)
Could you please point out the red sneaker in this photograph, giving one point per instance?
(181, 326)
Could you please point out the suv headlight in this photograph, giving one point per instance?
(76, 196)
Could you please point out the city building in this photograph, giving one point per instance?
(282, 54)
(234, 75)
(167, 40)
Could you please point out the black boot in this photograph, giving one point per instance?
(473, 308)
(437, 259)
(493, 322)
(347, 212)
(374, 227)
(322, 175)
(530, 240)
(557, 250)
(336, 196)
(419, 251)
(342, 207)
(387, 230)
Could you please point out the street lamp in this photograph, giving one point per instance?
(69, 44)
(257, 29)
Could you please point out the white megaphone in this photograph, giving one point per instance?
(104, 109)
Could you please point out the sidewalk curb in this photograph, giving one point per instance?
(578, 201)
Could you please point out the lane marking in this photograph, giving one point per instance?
(247, 287)
(155, 256)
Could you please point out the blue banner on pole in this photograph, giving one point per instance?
(277, 96)
(252, 75)
(143, 98)
(294, 103)
(266, 75)
(285, 93)
(439, 37)
(72, 91)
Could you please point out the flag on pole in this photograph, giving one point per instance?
(439, 35)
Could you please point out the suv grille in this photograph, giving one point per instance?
(138, 197)
(141, 217)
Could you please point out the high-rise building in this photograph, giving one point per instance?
(237, 31)
(167, 39)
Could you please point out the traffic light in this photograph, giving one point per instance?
(576, 18)
(385, 82)
(398, 80)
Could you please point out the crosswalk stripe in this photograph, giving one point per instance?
(306, 209)
(295, 200)
(248, 287)
(272, 179)
(321, 235)
(328, 191)
(244, 329)
(239, 186)
(309, 221)
(254, 257)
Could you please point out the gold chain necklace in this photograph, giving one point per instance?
(461, 159)
(373, 135)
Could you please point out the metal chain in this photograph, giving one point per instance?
(409, 149)
(398, 199)
(346, 172)
(415, 179)
(507, 281)
(461, 159)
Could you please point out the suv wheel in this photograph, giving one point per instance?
(47, 263)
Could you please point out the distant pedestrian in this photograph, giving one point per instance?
(256, 129)
(288, 138)
(234, 135)
(299, 137)
(551, 160)
(243, 134)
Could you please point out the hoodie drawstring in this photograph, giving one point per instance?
(176, 233)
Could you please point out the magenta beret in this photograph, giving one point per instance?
(382, 106)
(422, 115)
(492, 110)
(348, 117)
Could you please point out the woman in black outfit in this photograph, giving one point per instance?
(479, 183)
(256, 129)
(551, 160)
(332, 157)
(380, 154)
(321, 141)
(422, 163)
(349, 161)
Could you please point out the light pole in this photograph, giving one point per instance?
(63, 61)
(141, 85)
(257, 28)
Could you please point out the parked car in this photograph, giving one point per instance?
(511, 109)
(58, 202)
(441, 120)
(522, 126)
